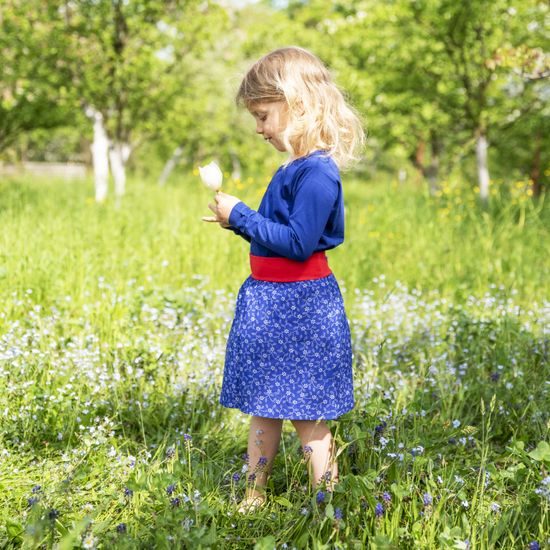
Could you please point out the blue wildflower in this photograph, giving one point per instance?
(534, 545)
(381, 427)
(32, 501)
(386, 497)
(35, 489)
(236, 477)
(338, 513)
(320, 497)
(170, 489)
(175, 501)
(128, 492)
(262, 461)
(53, 514)
(379, 510)
(170, 452)
(121, 528)
(427, 499)
(187, 437)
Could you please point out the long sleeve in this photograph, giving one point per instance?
(315, 192)
(237, 232)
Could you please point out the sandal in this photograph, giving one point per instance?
(251, 504)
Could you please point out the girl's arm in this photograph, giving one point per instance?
(315, 194)
(237, 232)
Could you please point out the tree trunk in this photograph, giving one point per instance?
(118, 155)
(432, 171)
(100, 160)
(170, 164)
(482, 166)
(535, 174)
(236, 173)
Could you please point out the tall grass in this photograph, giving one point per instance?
(113, 321)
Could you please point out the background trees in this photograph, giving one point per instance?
(443, 86)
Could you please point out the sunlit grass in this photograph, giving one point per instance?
(113, 324)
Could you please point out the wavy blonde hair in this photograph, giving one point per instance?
(319, 116)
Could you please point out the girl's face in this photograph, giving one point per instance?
(271, 120)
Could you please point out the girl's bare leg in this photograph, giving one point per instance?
(263, 443)
(322, 465)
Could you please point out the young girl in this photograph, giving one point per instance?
(289, 348)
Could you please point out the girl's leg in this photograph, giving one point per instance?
(263, 444)
(322, 463)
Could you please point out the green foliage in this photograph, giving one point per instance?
(114, 319)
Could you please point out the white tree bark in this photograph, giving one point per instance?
(482, 166)
(170, 164)
(118, 155)
(100, 149)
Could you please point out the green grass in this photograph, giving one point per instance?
(113, 321)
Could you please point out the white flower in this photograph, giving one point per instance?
(211, 176)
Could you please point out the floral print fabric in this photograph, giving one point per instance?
(289, 352)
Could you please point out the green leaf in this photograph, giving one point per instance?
(541, 453)
(329, 511)
(283, 502)
(267, 543)
(211, 536)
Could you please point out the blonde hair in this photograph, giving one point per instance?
(319, 117)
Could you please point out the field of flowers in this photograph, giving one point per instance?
(113, 321)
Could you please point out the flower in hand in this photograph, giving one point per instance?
(211, 176)
(222, 206)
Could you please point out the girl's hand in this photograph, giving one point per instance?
(222, 207)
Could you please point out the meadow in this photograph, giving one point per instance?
(113, 321)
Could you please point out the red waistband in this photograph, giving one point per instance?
(284, 270)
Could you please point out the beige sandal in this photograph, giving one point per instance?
(251, 504)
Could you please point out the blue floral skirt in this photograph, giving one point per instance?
(289, 352)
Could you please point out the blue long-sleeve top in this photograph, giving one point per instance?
(301, 212)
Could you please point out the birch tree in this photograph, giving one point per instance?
(129, 61)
